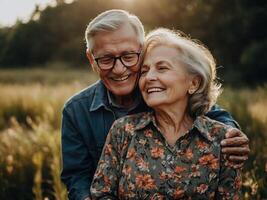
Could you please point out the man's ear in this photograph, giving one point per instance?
(91, 60)
(90, 57)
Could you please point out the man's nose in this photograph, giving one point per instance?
(118, 68)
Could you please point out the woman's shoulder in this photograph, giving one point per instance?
(134, 119)
(214, 130)
(130, 123)
(124, 129)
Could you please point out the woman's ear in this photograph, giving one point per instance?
(194, 84)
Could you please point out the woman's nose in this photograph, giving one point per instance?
(151, 75)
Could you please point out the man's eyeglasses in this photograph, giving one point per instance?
(108, 62)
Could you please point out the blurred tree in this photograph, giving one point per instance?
(253, 63)
(36, 13)
(234, 31)
(59, 2)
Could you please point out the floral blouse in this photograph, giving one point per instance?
(138, 163)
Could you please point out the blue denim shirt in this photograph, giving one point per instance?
(87, 118)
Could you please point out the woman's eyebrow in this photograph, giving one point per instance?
(161, 62)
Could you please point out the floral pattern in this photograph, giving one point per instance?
(138, 163)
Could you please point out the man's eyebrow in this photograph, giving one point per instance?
(106, 55)
(112, 55)
(131, 51)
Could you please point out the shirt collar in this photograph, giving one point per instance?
(202, 124)
(100, 97)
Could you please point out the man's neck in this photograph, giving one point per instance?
(125, 101)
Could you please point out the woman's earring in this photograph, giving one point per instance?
(191, 91)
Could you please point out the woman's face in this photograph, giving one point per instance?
(164, 80)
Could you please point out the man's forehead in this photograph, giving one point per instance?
(116, 45)
(123, 33)
(116, 50)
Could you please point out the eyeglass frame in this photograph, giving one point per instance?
(115, 58)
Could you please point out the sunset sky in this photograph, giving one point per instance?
(11, 10)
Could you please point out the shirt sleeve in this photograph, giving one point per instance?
(106, 179)
(229, 186)
(221, 115)
(77, 163)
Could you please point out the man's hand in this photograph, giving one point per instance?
(236, 147)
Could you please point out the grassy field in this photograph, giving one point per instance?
(30, 115)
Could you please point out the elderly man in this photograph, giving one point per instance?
(114, 44)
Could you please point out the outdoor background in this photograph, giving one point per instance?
(43, 63)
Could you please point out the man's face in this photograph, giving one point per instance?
(119, 80)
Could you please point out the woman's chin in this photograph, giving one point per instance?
(154, 104)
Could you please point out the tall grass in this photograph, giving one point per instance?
(30, 115)
(30, 162)
(249, 108)
(46, 76)
(35, 101)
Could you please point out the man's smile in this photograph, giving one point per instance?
(122, 78)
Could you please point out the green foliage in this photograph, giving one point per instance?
(249, 109)
(235, 31)
(253, 61)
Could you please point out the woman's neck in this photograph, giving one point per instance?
(173, 122)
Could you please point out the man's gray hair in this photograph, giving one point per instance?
(112, 20)
(198, 61)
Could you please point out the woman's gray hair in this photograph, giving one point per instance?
(112, 20)
(198, 61)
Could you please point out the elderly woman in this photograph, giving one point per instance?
(172, 152)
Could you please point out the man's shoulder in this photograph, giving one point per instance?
(85, 95)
